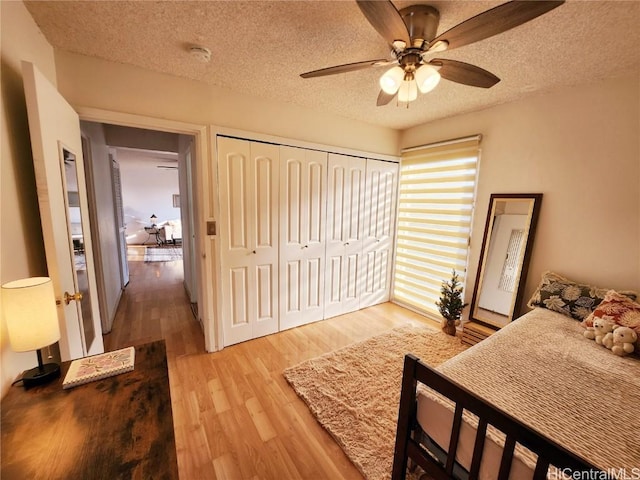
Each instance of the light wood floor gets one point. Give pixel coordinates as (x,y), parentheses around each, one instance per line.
(235,416)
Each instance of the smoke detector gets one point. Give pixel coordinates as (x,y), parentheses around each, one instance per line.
(201,54)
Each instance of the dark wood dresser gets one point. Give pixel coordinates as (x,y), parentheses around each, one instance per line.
(120,427)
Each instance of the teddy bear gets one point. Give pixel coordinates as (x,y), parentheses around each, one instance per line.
(601,327)
(624,339)
(590,333)
(607,340)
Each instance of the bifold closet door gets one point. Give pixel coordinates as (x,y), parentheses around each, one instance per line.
(345,209)
(378,232)
(249,176)
(303,194)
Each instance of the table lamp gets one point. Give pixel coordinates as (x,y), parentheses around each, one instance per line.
(29,307)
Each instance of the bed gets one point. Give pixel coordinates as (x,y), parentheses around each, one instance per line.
(537,383)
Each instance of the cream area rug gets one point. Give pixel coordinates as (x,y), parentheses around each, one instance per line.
(354,392)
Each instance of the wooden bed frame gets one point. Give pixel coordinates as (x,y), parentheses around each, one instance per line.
(409,445)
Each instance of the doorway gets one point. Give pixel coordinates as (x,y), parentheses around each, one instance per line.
(141,185)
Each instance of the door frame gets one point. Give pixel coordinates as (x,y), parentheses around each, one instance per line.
(203,206)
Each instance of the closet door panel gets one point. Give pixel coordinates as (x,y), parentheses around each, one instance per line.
(248,238)
(265,197)
(266,314)
(239,297)
(234,165)
(264,239)
(314,253)
(344,233)
(302,245)
(379,225)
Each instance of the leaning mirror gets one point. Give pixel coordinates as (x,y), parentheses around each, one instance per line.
(504,259)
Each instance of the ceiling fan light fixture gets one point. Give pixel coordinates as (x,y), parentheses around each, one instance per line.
(408,91)
(427,78)
(391,80)
(399,45)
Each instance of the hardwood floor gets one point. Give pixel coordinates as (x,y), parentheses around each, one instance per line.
(235,416)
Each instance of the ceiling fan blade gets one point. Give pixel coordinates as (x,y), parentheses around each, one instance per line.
(386,19)
(384,98)
(347,67)
(494,21)
(464,73)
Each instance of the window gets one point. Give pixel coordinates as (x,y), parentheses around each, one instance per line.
(437,193)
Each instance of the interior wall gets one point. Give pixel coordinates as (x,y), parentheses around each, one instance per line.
(579,147)
(140,138)
(105,226)
(21,244)
(92,82)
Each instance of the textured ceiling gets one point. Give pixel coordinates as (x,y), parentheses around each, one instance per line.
(261,47)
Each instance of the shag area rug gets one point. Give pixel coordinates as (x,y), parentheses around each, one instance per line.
(354,392)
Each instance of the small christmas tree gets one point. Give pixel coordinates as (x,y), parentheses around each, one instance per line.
(451,304)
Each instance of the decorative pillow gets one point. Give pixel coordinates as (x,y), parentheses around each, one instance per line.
(618,309)
(569,298)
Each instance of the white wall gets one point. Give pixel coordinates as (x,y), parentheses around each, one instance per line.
(21,244)
(147,190)
(91,82)
(578,146)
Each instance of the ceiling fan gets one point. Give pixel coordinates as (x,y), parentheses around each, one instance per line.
(412,35)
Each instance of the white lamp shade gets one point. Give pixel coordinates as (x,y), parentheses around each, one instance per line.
(427,77)
(391,80)
(408,91)
(29,308)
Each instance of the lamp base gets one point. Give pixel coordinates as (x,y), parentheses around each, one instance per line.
(41,374)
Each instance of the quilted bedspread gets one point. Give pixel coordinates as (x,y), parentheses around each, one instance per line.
(542,370)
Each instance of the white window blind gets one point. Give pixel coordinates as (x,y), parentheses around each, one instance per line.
(437,191)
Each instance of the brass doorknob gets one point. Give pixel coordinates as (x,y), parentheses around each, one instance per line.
(68,297)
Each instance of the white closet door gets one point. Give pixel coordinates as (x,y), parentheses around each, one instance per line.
(345,209)
(379,227)
(249,238)
(302,235)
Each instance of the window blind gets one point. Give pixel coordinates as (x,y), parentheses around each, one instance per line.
(436,197)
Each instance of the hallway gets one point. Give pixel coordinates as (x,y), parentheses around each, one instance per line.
(234,414)
(155,306)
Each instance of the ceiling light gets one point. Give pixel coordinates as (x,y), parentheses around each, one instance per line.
(427,77)
(399,45)
(201,54)
(408,91)
(390,81)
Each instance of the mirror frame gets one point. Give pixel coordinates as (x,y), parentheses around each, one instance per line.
(534,213)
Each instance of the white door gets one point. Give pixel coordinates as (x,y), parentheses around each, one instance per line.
(345,209)
(302,235)
(249,177)
(116,183)
(378,231)
(62,197)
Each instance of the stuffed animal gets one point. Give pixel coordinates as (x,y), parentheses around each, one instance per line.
(602,326)
(607,341)
(590,333)
(623,341)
